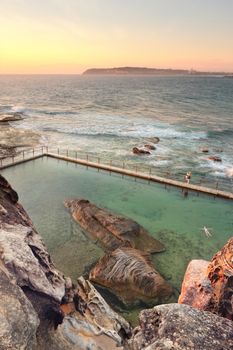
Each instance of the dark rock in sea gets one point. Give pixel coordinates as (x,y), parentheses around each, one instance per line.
(130,274)
(5,118)
(111,230)
(140,151)
(205,150)
(150,147)
(209,286)
(153,139)
(180,327)
(215,158)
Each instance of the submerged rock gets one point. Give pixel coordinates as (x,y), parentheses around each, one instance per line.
(130,275)
(180,327)
(111,230)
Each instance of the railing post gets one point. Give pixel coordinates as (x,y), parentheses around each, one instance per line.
(1,162)
(87,158)
(12,159)
(110,167)
(47,148)
(23,154)
(67,153)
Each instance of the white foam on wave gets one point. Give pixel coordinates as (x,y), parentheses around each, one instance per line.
(18,109)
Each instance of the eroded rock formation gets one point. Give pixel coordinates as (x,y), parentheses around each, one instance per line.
(180,327)
(32,291)
(112,231)
(130,274)
(209,286)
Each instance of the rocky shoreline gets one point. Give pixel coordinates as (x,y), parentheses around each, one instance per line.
(13,139)
(40,308)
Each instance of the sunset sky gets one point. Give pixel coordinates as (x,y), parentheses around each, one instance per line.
(68,36)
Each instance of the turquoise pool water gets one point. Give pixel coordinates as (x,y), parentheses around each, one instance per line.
(175,220)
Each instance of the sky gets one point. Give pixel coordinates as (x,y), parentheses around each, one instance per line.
(69,36)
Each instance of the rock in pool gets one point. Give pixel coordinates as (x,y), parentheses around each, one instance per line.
(10,117)
(130,275)
(111,230)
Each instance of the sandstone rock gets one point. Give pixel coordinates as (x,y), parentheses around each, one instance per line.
(220,274)
(89,323)
(180,327)
(215,158)
(130,275)
(19,321)
(150,147)
(210,287)
(140,151)
(111,230)
(196,288)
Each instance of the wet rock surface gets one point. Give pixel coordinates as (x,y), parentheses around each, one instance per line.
(130,274)
(180,327)
(111,230)
(11,139)
(6,118)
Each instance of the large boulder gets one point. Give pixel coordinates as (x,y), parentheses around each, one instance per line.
(180,327)
(111,230)
(209,286)
(196,287)
(18,319)
(130,275)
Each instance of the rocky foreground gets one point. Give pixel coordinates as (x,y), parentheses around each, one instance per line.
(40,308)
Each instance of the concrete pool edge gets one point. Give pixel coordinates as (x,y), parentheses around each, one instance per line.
(153,178)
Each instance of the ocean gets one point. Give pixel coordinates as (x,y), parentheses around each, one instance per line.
(106,116)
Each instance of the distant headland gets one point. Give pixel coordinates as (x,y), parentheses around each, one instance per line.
(148,71)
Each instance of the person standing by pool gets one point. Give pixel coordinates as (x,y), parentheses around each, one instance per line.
(188,177)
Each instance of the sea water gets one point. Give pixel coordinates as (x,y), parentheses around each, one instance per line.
(108,116)
(169,216)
